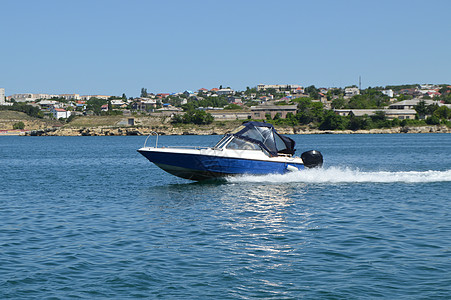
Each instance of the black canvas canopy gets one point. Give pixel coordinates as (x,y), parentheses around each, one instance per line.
(265,135)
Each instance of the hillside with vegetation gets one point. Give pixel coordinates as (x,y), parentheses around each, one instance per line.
(10,119)
(317,109)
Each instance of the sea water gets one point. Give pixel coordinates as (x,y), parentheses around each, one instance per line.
(89,217)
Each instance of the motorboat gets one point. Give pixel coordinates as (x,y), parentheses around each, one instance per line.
(254,148)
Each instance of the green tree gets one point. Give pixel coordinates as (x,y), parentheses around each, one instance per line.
(332,121)
(379,116)
(144,92)
(233,107)
(403,97)
(309,111)
(336,91)
(421,109)
(71,118)
(443,113)
(431,108)
(369,98)
(338,103)
(397,88)
(271,91)
(445,89)
(356,123)
(19,125)
(432,120)
(250,91)
(379,120)
(95,104)
(32,111)
(446,98)
(312,91)
(291,119)
(395,122)
(198,117)
(177,119)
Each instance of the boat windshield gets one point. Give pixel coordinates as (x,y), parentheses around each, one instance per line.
(223,141)
(232,142)
(239,144)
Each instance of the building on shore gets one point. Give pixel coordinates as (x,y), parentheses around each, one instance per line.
(389,113)
(410,104)
(70,96)
(60,113)
(29,97)
(388,93)
(118,103)
(280,87)
(85,97)
(167,110)
(260,112)
(221,115)
(144,104)
(225,92)
(23,97)
(351,91)
(48,104)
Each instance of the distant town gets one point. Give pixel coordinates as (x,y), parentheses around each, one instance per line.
(289,104)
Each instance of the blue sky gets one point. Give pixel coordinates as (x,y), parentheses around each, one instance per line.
(114,47)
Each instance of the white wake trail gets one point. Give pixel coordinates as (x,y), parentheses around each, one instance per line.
(347,175)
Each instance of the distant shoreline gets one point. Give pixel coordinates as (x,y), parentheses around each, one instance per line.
(143,131)
(117,126)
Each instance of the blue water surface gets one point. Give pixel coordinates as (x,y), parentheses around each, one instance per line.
(90,218)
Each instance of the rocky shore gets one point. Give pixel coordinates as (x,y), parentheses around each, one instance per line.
(144,125)
(199,130)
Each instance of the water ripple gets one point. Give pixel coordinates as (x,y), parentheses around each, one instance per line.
(113,226)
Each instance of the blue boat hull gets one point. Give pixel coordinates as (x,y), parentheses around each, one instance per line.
(202,167)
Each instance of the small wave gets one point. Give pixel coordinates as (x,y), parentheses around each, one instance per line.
(347,175)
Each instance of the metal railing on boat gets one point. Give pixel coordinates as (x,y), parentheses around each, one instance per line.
(153,133)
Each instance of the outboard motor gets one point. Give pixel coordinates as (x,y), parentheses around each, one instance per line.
(312,159)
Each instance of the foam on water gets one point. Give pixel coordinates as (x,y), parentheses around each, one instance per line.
(347,175)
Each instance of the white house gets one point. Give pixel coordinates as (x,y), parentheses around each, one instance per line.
(70,96)
(428,86)
(388,93)
(84,97)
(60,113)
(47,104)
(351,91)
(23,97)
(279,87)
(118,103)
(225,92)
